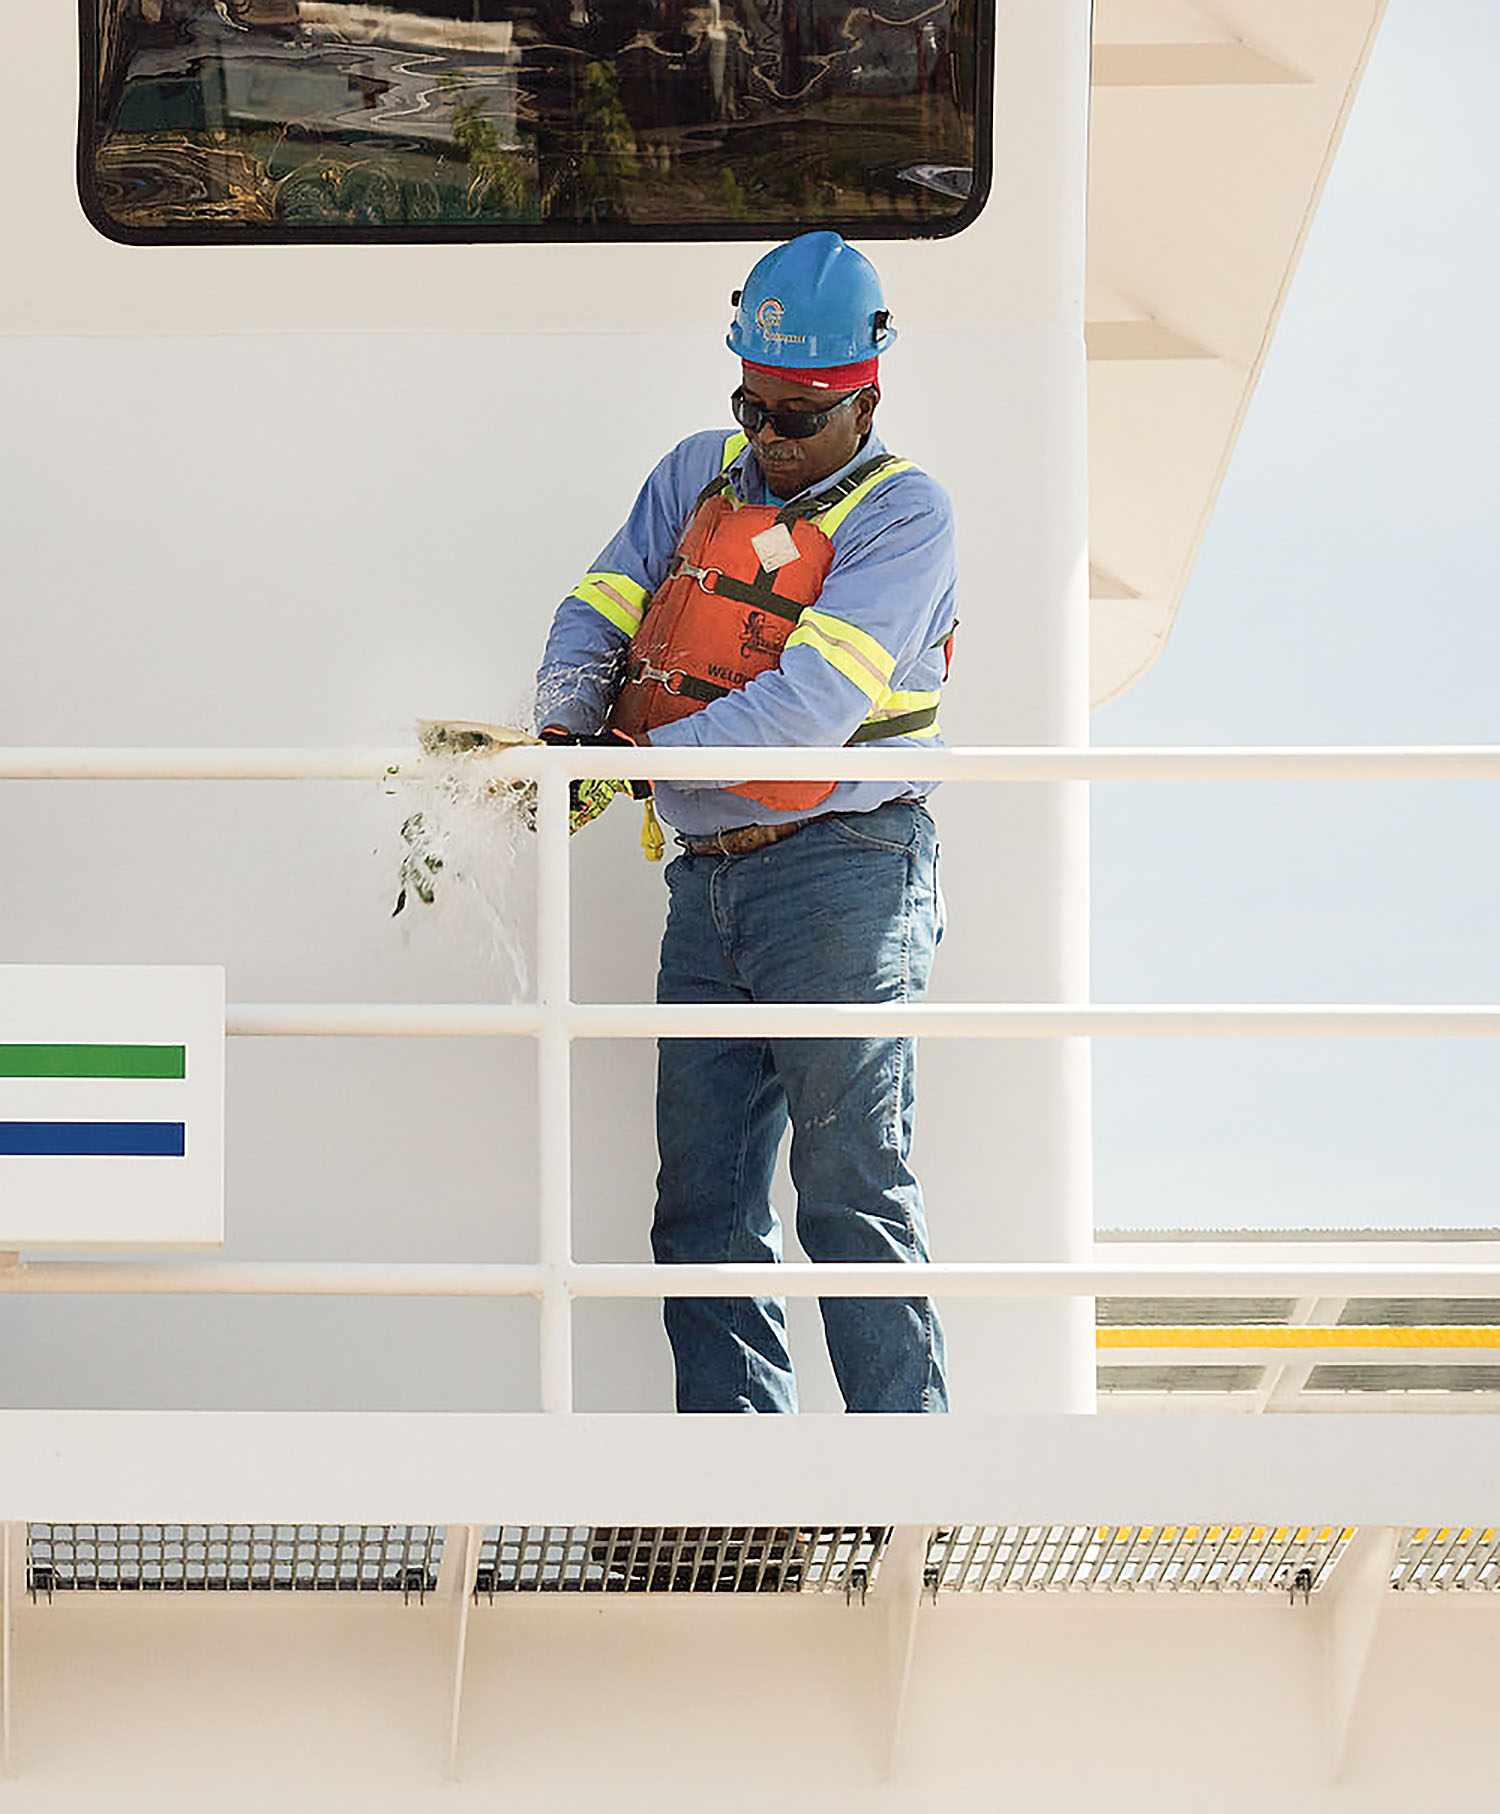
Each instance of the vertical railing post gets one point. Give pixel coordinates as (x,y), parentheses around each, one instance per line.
(554,1088)
(1022,680)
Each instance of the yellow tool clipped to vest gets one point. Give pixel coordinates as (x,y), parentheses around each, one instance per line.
(589,798)
(653,843)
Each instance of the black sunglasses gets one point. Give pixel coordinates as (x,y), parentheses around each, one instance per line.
(790,424)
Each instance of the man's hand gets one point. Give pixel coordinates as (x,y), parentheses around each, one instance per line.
(587,799)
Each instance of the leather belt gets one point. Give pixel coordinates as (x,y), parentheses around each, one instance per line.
(740,840)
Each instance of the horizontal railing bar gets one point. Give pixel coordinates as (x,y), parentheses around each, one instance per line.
(861,1020)
(144,764)
(1032,1020)
(271,1278)
(1030,1279)
(977,1279)
(381,1020)
(1352,762)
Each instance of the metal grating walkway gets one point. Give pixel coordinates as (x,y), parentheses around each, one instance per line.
(1214,1559)
(233,1558)
(1128,1558)
(720,1559)
(1439,1559)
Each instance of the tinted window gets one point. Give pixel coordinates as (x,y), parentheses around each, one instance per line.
(540,118)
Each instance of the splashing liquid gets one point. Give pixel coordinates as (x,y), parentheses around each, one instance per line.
(462,833)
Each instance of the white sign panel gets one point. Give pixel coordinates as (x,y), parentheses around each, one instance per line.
(111,1105)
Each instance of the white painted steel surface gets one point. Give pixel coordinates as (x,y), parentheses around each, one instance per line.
(937,1020)
(554,1090)
(1359,1597)
(1185,103)
(1214,131)
(1312,762)
(345,1704)
(794,1279)
(383,1020)
(12,1578)
(411,1469)
(1029,1020)
(363,589)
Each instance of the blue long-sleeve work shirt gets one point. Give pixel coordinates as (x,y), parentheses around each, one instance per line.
(892,583)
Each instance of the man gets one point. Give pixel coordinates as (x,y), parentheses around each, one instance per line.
(792,584)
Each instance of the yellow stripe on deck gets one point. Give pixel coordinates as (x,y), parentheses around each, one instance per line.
(1280,1335)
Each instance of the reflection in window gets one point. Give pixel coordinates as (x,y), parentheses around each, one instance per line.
(544,118)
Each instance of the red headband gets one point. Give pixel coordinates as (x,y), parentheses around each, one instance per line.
(822,378)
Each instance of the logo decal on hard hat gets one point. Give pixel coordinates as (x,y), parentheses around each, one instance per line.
(768,318)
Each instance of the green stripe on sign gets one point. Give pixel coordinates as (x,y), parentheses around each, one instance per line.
(93,1061)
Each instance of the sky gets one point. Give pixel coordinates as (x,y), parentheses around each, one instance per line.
(1346,592)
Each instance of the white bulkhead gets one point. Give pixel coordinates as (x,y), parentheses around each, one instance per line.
(302,495)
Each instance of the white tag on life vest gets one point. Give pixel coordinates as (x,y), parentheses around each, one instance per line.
(774,547)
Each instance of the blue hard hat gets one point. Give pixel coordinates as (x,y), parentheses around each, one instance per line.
(814,301)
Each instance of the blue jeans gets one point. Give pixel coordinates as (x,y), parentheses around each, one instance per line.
(847,909)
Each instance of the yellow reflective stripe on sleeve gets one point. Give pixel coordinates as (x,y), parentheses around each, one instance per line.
(855,653)
(899,705)
(614,597)
(892,706)
(733,448)
(830,519)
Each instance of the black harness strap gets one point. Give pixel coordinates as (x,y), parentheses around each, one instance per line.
(761,590)
(746,592)
(905,722)
(710,490)
(902,725)
(688,685)
(801,508)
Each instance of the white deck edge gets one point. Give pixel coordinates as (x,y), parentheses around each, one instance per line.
(467,1468)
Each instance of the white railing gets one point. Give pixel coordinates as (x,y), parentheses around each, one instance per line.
(554,1020)
(794,1279)
(1354,762)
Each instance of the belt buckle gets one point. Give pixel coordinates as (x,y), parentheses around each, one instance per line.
(741,840)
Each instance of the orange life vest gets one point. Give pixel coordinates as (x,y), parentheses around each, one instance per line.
(739,580)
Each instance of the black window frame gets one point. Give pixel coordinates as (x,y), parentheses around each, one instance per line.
(548,232)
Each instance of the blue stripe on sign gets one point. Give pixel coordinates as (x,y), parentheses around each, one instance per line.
(104,1139)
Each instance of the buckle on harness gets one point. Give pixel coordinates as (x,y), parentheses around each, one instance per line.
(669,679)
(707,577)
